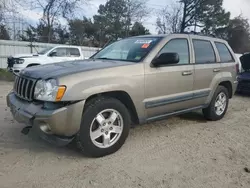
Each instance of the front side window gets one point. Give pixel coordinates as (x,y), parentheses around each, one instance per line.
(59,52)
(130,49)
(204,52)
(225,55)
(179,46)
(73,52)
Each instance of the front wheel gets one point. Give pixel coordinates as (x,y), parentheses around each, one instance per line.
(104,128)
(218,106)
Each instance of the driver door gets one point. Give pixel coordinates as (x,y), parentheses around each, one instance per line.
(169,88)
(58,55)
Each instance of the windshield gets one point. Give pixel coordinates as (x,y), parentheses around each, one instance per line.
(44,51)
(131,49)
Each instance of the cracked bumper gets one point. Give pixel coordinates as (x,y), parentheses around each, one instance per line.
(57,126)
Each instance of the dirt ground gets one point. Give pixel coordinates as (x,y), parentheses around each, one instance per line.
(184,151)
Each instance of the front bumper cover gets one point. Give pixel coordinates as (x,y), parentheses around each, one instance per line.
(61,124)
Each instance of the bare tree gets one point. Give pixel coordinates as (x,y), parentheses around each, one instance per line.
(169,19)
(1,14)
(7,8)
(137,11)
(53,10)
(8,15)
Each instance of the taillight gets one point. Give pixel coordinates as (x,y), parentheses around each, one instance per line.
(237,66)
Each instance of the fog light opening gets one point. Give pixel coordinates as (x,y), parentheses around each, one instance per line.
(45,128)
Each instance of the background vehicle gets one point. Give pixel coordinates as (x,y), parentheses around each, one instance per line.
(49,55)
(244,76)
(138,80)
(239,62)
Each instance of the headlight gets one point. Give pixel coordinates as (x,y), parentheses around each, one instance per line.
(20,61)
(49,90)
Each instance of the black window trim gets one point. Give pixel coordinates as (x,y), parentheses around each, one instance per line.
(66,48)
(209,63)
(177,63)
(58,48)
(232,61)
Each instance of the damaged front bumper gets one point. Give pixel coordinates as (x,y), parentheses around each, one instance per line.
(57,126)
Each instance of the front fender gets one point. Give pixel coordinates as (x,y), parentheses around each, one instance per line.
(28,61)
(85,89)
(130,80)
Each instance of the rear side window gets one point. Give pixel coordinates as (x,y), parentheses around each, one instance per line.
(179,46)
(204,52)
(225,55)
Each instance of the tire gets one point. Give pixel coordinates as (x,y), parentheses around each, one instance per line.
(91,124)
(211,112)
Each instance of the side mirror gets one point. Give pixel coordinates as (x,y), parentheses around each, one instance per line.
(166,59)
(52,54)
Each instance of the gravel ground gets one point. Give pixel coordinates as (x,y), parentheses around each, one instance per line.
(185,151)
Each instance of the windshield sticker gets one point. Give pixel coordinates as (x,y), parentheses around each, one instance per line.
(137,57)
(145,45)
(143,41)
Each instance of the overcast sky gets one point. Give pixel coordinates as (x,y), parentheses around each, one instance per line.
(236,7)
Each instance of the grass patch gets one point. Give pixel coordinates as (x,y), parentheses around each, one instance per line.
(6,76)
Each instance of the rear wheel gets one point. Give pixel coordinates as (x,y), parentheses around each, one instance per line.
(104,128)
(218,106)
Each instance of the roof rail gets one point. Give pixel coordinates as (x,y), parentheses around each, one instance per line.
(196,33)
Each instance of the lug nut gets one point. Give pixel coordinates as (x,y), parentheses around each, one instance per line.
(109,122)
(106,132)
(111,128)
(102,130)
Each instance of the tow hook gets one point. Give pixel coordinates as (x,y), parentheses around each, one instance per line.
(26,130)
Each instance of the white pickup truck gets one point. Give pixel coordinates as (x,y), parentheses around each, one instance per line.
(49,55)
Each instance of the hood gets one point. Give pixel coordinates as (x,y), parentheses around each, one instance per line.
(245,61)
(25,55)
(55,70)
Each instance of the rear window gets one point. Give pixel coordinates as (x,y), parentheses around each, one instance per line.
(204,52)
(225,55)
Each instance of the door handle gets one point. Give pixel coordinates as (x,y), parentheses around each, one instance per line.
(216,70)
(187,73)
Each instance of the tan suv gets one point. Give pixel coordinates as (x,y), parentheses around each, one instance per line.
(132,81)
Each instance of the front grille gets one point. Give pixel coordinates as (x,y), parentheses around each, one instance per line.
(24,88)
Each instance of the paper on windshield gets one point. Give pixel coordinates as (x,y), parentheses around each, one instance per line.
(143,41)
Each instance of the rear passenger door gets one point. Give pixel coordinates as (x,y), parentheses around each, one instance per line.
(206,68)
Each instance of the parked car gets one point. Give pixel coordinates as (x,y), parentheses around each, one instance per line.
(49,55)
(244,76)
(239,62)
(132,81)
